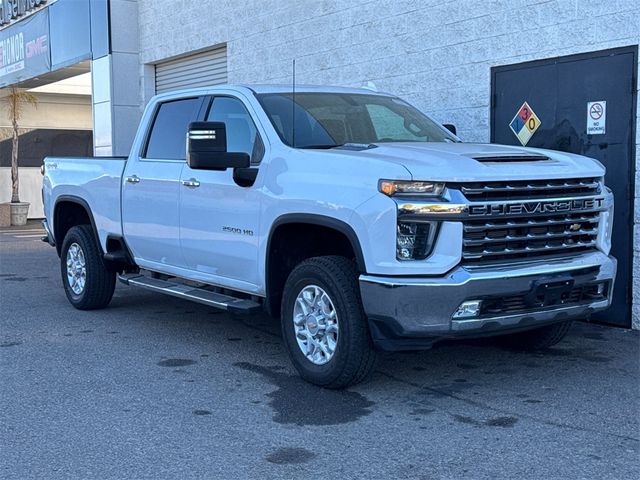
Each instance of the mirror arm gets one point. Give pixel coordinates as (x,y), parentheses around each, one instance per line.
(245,177)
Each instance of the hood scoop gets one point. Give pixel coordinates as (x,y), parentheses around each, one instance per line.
(510,158)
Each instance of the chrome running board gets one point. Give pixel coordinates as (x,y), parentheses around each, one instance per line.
(188,292)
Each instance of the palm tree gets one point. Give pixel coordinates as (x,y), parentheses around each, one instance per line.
(16,100)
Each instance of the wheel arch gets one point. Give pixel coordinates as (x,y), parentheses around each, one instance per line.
(345,241)
(68,212)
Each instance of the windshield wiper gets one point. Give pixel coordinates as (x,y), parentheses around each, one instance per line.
(345,146)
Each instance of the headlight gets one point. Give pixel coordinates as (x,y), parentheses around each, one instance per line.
(414,240)
(404,187)
(606,224)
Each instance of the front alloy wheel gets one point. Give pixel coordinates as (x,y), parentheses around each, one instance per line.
(315,322)
(324,326)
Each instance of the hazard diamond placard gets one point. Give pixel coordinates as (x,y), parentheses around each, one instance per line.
(525,123)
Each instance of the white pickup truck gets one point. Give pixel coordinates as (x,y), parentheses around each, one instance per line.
(356,219)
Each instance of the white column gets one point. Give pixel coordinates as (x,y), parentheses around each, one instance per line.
(116,94)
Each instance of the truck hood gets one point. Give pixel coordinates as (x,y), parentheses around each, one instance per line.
(464,162)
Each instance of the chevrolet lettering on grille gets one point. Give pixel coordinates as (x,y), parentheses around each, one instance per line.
(533,208)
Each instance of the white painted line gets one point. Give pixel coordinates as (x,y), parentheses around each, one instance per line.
(30,236)
(13,232)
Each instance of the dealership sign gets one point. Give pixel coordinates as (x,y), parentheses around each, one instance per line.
(12,10)
(24,49)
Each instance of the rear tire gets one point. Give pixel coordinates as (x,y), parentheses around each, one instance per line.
(539,338)
(341,352)
(88,283)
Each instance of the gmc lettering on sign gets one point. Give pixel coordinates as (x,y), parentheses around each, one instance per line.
(37,46)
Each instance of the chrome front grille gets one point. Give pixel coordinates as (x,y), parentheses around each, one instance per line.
(530,189)
(501,239)
(530,218)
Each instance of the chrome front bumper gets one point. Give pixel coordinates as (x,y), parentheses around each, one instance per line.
(406,312)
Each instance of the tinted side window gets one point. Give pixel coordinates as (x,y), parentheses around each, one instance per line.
(168,136)
(242,135)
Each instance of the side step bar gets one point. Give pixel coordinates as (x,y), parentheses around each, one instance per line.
(199,295)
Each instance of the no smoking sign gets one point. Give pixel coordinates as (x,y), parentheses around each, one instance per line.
(596,117)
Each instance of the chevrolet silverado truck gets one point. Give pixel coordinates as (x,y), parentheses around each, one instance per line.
(357,220)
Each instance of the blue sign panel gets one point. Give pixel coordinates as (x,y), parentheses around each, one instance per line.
(70,25)
(25,49)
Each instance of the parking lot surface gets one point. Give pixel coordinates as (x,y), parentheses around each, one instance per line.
(156,387)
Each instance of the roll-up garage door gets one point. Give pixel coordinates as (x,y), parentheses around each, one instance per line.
(197,70)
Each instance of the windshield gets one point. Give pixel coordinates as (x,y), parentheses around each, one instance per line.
(326,120)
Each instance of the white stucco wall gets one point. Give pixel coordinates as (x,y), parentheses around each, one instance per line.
(30,187)
(438,55)
(63,112)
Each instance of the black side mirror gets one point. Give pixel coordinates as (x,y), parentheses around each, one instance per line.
(451,127)
(207,148)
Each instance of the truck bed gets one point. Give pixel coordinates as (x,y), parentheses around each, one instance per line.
(94,181)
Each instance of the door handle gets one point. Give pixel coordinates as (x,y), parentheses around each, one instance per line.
(133,179)
(191,183)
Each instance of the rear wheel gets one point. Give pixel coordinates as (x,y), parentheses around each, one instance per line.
(87,282)
(323,324)
(539,338)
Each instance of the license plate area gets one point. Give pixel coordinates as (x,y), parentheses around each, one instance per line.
(550,291)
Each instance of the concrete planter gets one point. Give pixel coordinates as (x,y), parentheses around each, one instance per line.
(5,215)
(19,213)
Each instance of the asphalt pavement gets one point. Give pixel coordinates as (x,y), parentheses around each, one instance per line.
(156,387)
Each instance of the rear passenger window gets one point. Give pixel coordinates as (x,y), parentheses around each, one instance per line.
(168,137)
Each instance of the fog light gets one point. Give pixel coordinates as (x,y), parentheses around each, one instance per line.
(414,240)
(468,309)
(601,288)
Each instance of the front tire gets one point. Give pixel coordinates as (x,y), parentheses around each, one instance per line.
(324,326)
(88,283)
(538,338)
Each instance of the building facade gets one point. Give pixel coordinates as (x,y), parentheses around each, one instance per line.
(53,48)
(471,63)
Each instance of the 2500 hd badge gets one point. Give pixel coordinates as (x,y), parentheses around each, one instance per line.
(237,230)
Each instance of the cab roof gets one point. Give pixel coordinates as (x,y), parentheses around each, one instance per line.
(288,88)
(264,89)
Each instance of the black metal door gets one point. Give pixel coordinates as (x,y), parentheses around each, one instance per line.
(559,91)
